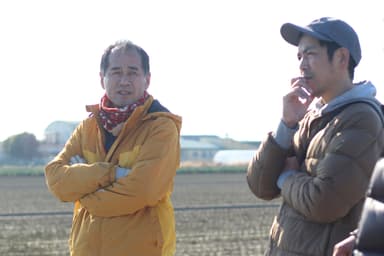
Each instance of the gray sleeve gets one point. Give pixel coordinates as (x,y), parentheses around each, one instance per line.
(284,135)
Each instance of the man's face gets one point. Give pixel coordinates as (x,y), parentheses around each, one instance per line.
(319,72)
(124,81)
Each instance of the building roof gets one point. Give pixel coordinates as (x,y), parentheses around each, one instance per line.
(238,156)
(192,144)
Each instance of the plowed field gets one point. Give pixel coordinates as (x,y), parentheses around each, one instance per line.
(216,214)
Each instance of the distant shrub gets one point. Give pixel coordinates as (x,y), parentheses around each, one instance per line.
(213,169)
(23,146)
(21,170)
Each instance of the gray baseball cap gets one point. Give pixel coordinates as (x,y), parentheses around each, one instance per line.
(326,29)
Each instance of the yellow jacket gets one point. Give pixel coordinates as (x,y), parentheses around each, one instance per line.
(132,215)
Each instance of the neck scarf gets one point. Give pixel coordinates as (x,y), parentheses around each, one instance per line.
(112,117)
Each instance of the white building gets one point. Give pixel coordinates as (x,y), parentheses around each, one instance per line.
(233,157)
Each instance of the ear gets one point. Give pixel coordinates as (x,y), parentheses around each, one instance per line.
(343,57)
(147,80)
(102,80)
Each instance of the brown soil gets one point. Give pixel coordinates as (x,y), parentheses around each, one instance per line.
(216,214)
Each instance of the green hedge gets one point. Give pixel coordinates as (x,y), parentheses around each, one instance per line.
(213,169)
(21,170)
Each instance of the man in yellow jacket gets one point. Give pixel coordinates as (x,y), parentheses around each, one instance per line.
(118,166)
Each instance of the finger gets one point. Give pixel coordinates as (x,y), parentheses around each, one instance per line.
(78,160)
(300,92)
(306,101)
(81,160)
(295,80)
(301,82)
(72,160)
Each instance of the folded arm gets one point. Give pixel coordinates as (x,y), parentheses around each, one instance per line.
(149,181)
(69,181)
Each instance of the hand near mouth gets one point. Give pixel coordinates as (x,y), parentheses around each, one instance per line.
(296,102)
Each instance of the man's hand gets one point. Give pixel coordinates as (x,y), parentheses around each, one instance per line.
(291,167)
(77,160)
(296,102)
(121,172)
(345,247)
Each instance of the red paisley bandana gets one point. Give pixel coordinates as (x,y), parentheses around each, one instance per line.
(113,116)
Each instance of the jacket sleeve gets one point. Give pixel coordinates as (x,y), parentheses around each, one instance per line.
(71,182)
(265,168)
(340,178)
(150,179)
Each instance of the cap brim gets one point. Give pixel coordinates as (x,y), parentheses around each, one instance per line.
(292,33)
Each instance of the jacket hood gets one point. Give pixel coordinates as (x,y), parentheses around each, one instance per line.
(156,109)
(363,91)
(175,118)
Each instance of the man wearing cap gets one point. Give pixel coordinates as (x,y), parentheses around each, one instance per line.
(320,159)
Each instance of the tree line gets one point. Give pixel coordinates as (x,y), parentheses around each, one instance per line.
(22,146)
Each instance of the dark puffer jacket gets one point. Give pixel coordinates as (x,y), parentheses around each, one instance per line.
(322,203)
(370,236)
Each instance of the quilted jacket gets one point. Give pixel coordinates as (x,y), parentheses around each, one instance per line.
(321,204)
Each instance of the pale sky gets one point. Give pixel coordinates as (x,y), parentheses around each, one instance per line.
(221,65)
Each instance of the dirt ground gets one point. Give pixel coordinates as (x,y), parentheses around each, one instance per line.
(216,214)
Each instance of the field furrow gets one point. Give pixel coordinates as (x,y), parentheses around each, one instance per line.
(208,230)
